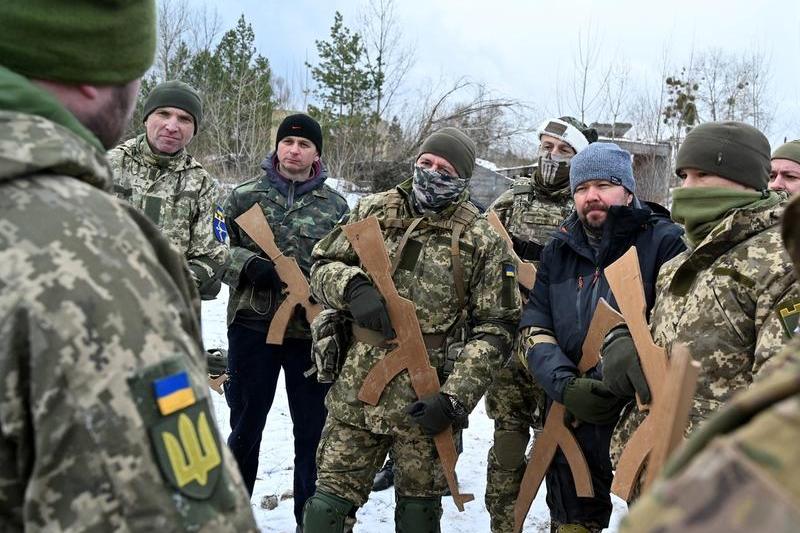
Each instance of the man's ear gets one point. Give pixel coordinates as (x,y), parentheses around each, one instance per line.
(89,92)
(630,198)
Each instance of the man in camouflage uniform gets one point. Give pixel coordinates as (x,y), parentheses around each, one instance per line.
(739,472)
(731,297)
(423,213)
(103,397)
(531,211)
(300,209)
(784,173)
(156,175)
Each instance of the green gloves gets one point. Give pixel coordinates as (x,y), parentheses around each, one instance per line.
(217,361)
(436,413)
(590,400)
(622,372)
(367,307)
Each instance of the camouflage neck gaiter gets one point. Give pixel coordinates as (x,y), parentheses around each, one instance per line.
(433,191)
(552,174)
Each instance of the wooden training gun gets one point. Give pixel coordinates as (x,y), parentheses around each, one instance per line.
(556,434)
(409,353)
(672,383)
(526,272)
(297,291)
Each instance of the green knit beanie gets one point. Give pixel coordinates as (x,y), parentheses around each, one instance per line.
(99,42)
(175,94)
(790,151)
(732,150)
(453,145)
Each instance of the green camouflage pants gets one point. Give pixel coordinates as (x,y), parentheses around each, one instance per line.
(348,457)
(514,402)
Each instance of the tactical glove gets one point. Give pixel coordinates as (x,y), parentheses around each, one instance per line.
(367,307)
(589,400)
(261,273)
(622,372)
(436,413)
(208,285)
(217,360)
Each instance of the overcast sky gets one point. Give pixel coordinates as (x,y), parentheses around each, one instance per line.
(526,49)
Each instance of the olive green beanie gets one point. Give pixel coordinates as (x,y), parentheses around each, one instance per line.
(178,94)
(790,151)
(732,150)
(100,42)
(453,145)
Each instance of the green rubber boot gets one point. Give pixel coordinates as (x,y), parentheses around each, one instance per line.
(417,515)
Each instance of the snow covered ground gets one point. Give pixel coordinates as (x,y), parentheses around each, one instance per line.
(377,516)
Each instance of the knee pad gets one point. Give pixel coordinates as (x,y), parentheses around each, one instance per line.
(572,528)
(417,515)
(509,448)
(326,513)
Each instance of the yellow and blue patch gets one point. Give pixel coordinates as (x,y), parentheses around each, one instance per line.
(509,270)
(173,393)
(220,229)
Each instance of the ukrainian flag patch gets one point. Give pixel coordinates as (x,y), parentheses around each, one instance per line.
(509,270)
(173,393)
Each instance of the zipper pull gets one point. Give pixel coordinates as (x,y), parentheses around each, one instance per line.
(580,282)
(596,275)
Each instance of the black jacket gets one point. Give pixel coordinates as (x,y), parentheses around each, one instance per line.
(570,281)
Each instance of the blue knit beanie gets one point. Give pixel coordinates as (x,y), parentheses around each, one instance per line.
(602,161)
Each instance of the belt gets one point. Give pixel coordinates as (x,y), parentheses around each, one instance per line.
(432,341)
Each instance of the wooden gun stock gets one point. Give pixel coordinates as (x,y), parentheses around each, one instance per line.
(255,224)
(410,352)
(672,383)
(556,435)
(526,272)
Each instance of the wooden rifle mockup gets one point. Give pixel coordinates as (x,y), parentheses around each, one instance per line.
(672,382)
(297,291)
(409,352)
(556,434)
(526,272)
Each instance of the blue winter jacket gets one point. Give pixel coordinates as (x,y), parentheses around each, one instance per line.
(570,281)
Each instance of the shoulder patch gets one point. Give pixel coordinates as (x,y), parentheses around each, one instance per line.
(789,314)
(219,227)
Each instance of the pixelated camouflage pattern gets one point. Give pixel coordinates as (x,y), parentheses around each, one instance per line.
(721,300)
(297,228)
(529,215)
(359,453)
(183,196)
(743,475)
(91,296)
(492,306)
(514,400)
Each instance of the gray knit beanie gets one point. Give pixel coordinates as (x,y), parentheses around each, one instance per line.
(602,161)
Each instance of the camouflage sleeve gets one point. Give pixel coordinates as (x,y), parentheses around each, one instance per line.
(335,263)
(503,206)
(206,252)
(777,311)
(237,255)
(494,308)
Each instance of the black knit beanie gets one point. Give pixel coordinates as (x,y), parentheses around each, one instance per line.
(732,150)
(175,94)
(453,145)
(300,125)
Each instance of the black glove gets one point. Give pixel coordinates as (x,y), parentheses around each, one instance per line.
(527,250)
(217,360)
(367,307)
(207,286)
(622,372)
(589,400)
(436,413)
(261,273)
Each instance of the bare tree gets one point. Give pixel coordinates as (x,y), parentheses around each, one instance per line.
(590,76)
(617,91)
(174,21)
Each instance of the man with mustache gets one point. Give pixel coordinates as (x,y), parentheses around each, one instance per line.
(607,221)
(157,176)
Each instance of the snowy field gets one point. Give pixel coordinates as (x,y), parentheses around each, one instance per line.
(377,516)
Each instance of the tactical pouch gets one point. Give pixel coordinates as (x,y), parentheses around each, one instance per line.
(331,336)
(453,347)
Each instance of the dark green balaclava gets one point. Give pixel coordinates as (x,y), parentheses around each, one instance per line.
(101,42)
(178,94)
(732,150)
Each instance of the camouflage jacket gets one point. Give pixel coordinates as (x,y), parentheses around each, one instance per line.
(181,198)
(530,216)
(104,377)
(424,276)
(739,472)
(725,300)
(297,223)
